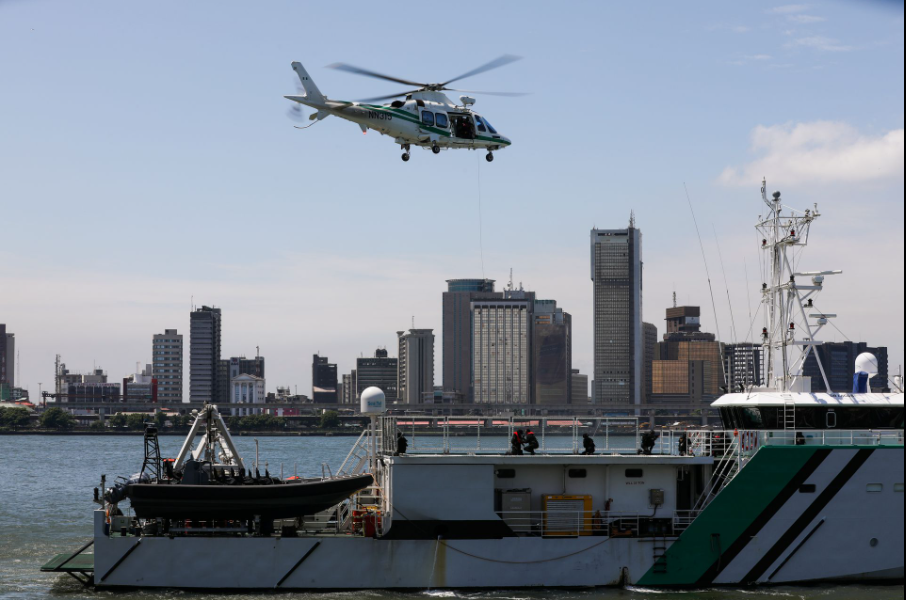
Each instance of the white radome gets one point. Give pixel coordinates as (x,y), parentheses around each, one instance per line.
(374,402)
(867,363)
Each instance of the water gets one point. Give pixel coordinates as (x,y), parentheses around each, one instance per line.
(46,487)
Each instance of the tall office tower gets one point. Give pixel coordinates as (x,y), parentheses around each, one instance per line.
(502,349)
(7,358)
(323,381)
(457,331)
(167,365)
(579,388)
(616,270)
(378,371)
(208,377)
(742,365)
(839,362)
(552,360)
(649,334)
(688,366)
(415,368)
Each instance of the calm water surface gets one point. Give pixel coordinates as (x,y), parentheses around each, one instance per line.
(46,487)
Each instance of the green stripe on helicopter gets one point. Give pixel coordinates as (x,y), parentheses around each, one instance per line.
(414,119)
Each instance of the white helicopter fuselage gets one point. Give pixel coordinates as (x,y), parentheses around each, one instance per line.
(426,118)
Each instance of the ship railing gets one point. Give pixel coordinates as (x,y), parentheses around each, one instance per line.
(830,437)
(560,524)
(490,435)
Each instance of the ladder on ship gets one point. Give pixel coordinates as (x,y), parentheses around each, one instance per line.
(789,413)
(726,469)
(660,555)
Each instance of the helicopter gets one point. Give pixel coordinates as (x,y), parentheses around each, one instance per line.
(423,117)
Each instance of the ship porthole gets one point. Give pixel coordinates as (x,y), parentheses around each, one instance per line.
(874,542)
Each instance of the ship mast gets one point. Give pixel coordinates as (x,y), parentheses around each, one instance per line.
(788,305)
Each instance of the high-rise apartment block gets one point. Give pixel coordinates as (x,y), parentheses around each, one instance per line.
(167,365)
(552,360)
(839,362)
(380,371)
(457,331)
(7,358)
(208,376)
(324,380)
(616,270)
(350,394)
(415,366)
(742,365)
(501,349)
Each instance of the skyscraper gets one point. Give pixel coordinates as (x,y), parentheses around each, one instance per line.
(205,377)
(167,365)
(378,371)
(457,330)
(579,388)
(7,358)
(616,270)
(323,380)
(501,349)
(552,361)
(649,333)
(688,366)
(415,369)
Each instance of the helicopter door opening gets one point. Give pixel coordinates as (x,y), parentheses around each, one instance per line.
(463,127)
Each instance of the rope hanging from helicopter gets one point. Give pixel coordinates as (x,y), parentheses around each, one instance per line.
(480,220)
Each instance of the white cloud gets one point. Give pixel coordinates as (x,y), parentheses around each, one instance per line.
(789,9)
(819,42)
(805,19)
(819,152)
(759,57)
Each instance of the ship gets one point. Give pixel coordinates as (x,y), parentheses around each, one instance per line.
(797,487)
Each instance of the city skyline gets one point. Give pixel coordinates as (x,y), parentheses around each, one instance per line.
(351,254)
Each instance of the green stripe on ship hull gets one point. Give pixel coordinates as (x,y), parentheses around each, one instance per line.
(692,559)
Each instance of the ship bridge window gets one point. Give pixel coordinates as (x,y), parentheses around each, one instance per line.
(428,118)
(441,120)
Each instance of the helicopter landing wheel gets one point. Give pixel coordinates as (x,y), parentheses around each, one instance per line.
(405,157)
(489,157)
(435,149)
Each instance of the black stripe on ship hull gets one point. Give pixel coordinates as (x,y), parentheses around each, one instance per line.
(808,516)
(766,515)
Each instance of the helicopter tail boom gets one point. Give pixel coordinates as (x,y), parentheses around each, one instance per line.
(312,93)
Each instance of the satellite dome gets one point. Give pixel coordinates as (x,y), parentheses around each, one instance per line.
(867,363)
(374,402)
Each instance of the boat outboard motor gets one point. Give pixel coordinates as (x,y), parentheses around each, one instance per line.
(117,493)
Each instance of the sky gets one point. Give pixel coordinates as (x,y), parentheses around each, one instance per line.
(147,163)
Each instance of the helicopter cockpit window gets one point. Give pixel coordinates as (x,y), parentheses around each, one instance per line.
(480,123)
(441,120)
(491,127)
(428,118)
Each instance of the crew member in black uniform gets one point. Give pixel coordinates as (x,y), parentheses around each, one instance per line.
(648,441)
(402,444)
(589,444)
(516,443)
(531,442)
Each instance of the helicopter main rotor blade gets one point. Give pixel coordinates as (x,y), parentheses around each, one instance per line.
(367,73)
(388,97)
(505,94)
(494,64)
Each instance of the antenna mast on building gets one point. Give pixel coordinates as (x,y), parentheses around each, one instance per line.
(632,219)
